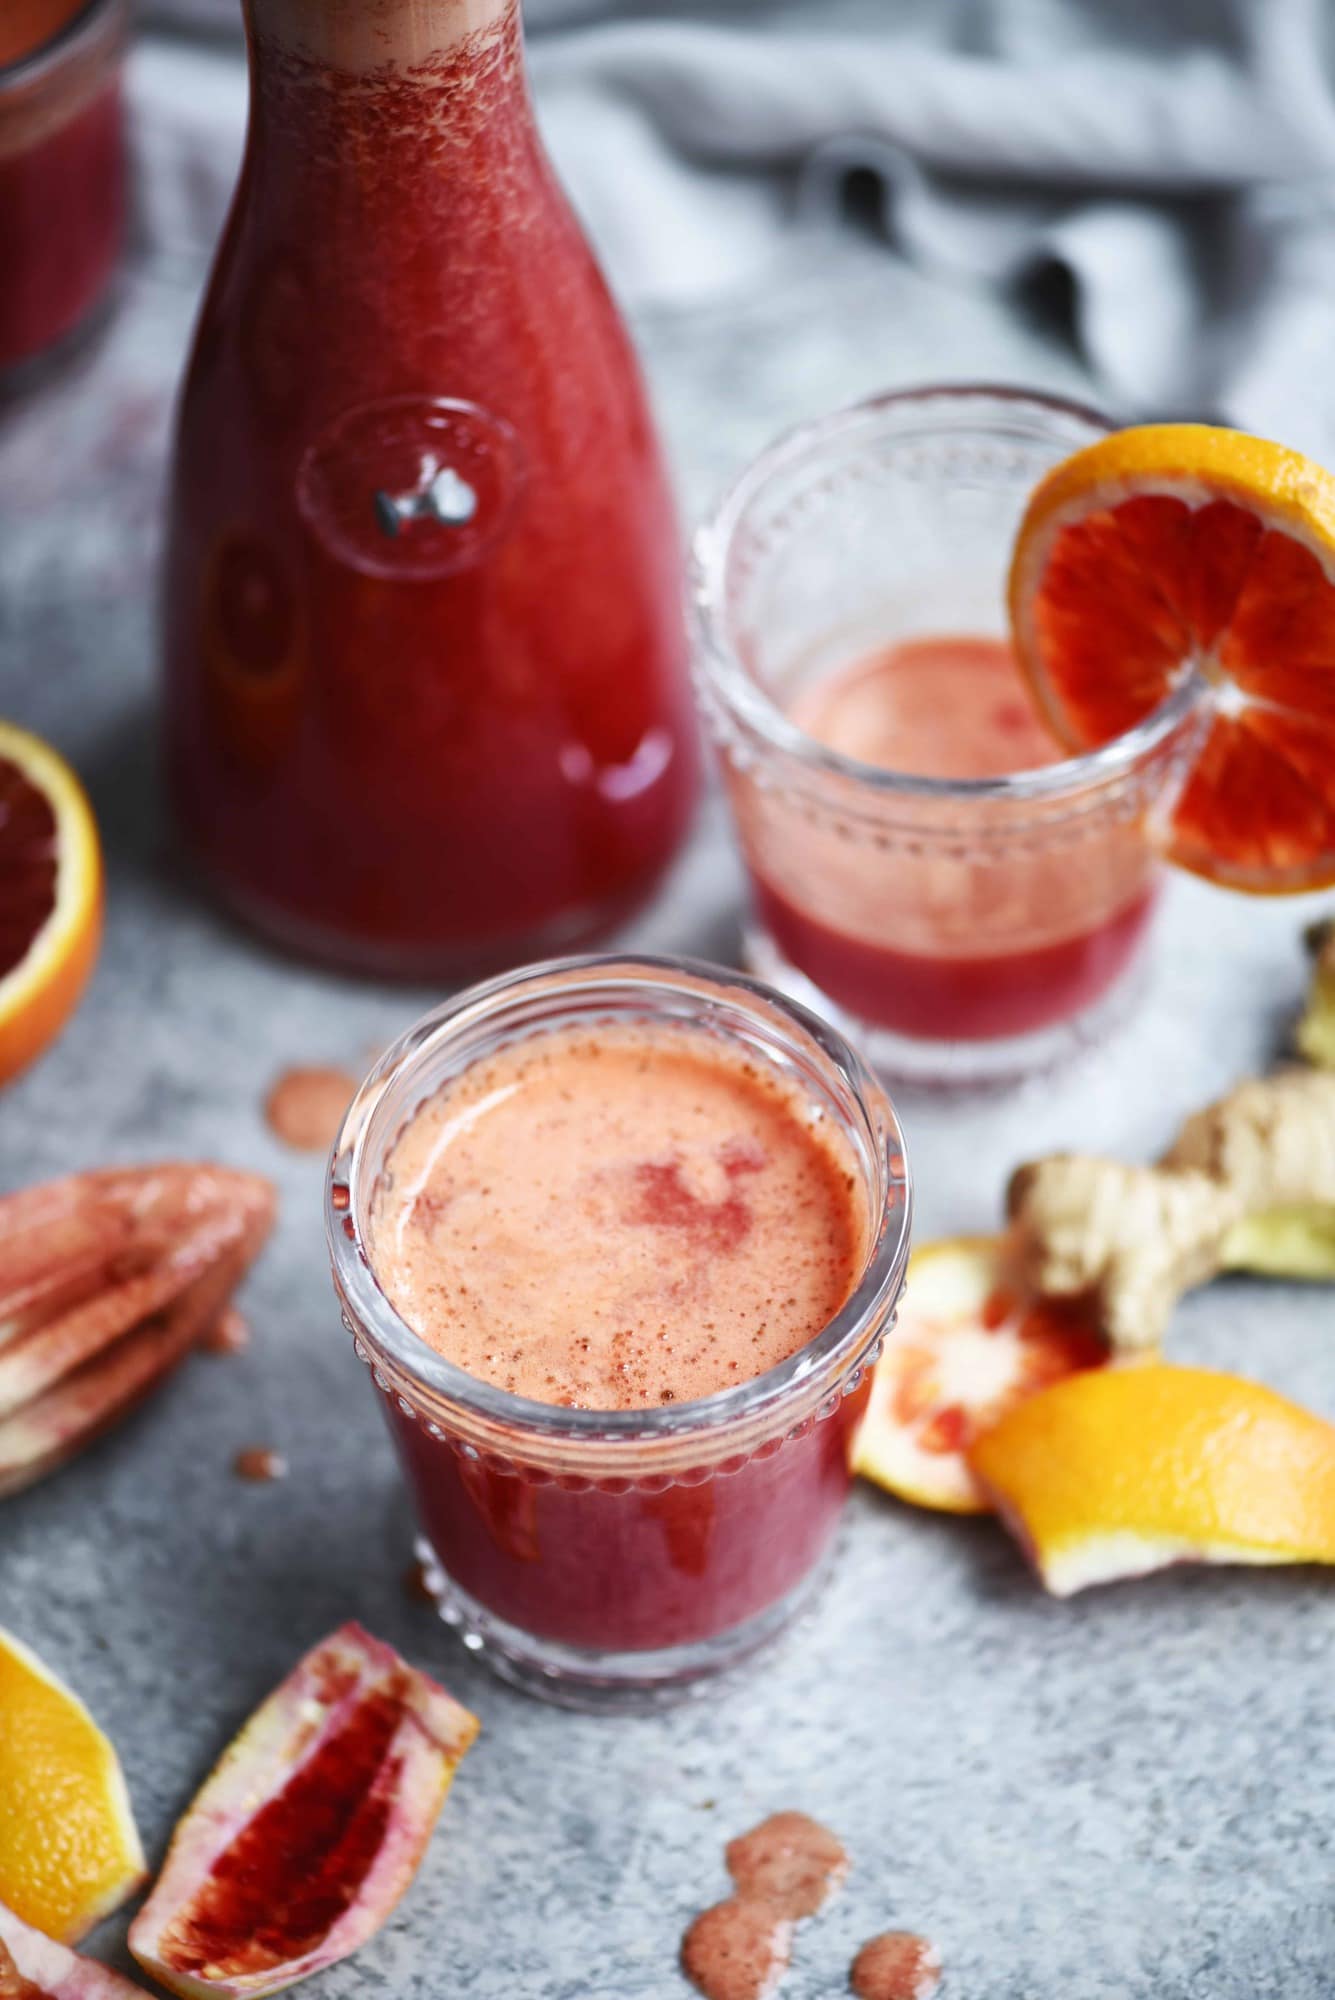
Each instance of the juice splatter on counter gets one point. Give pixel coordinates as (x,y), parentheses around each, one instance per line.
(896,1966)
(737,1950)
(259,1463)
(305,1107)
(788,1861)
(784,1871)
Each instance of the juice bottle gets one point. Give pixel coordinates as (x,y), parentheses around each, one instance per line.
(426,703)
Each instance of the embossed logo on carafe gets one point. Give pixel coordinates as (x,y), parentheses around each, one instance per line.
(411,487)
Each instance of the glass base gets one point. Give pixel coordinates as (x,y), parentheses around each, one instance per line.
(955,1065)
(600,1683)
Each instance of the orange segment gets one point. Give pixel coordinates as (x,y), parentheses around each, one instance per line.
(1175,549)
(69,1852)
(50,896)
(969,1342)
(1126,1470)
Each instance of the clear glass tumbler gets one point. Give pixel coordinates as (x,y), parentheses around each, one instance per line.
(958,929)
(63,173)
(617,1559)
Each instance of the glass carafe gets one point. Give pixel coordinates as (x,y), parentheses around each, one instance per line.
(427,707)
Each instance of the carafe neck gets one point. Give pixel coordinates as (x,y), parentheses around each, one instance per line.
(362,36)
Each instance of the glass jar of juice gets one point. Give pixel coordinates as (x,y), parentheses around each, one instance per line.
(426,703)
(928,867)
(619,1240)
(62,169)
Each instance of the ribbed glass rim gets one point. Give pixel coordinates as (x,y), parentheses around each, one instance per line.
(47,55)
(728,681)
(347,1201)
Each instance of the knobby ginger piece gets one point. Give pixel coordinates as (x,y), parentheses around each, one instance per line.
(1132,1239)
(1272,1140)
(1315,1033)
(1249,1183)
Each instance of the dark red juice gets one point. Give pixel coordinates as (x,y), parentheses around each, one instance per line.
(426,693)
(62,180)
(628,1570)
(958,998)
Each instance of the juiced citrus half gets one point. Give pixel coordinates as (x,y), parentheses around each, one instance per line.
(50,896)
(69,1852)
(1127,1470)
(310,1829)
(970,1342)
(1179,549)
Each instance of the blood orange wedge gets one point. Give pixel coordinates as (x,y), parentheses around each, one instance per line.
(34,1967)
(50,896)
(311,1827)
(69,1852)
(971,1340)
(1178,550)
(1127,1470)
(107,1280)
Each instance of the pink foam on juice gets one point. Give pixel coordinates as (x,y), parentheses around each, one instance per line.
(616,1219)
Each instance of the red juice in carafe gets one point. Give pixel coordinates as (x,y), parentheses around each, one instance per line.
(62,169)
(427,705)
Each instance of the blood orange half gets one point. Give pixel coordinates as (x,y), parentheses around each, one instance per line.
(50,896)
(970,1342)
(1179,550)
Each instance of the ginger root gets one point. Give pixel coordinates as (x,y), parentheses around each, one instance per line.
(1314,1036)
(1249,1183)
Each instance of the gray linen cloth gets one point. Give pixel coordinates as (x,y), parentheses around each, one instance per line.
(1174,160)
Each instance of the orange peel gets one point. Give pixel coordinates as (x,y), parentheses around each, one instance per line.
(69,1849)
(1123,1471)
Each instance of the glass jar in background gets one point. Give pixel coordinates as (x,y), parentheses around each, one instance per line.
(614,1559)
(63,170)
(960,928)
(428,707)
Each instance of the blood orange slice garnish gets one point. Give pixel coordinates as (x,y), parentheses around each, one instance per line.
(970,1342)
(50,896)
(1176,550)
(311,1827)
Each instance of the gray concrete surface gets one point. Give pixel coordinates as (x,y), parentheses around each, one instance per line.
(1121,1797)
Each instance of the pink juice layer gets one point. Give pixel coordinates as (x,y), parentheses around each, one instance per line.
(938,708)
(620,1219)
(968,946)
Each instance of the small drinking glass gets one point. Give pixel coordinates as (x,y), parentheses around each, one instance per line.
(962,929)
(63,172)
(616,1559)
